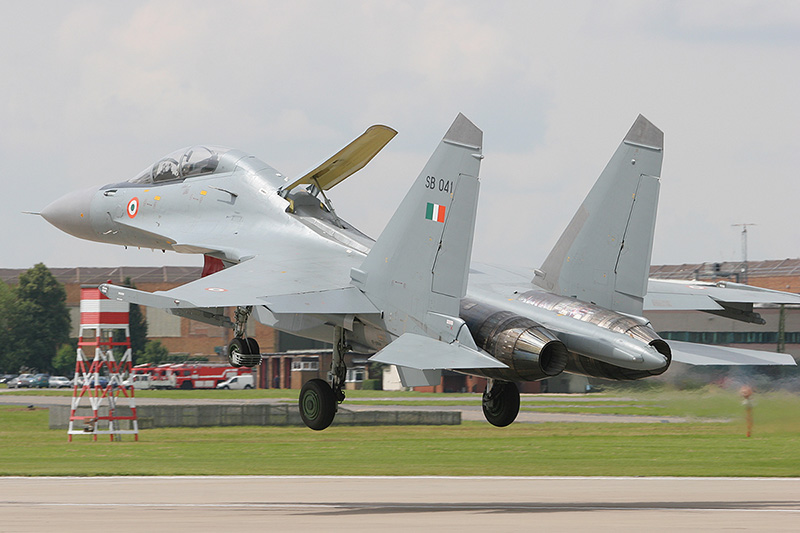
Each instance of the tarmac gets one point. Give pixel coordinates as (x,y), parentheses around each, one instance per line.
(265,503)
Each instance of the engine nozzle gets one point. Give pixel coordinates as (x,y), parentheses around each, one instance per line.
(530,351)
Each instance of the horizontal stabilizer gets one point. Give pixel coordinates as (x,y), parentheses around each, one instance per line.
(411,377)
(348,160)
(729,300)
(672,294)
(704,354)
(424,353)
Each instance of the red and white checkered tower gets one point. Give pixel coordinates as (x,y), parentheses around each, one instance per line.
(100,319)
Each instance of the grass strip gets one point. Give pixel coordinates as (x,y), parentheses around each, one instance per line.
(692,449)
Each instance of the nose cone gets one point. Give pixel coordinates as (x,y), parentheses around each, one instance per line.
(70,214)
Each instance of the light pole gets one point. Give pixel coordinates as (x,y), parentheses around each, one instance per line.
(744,249)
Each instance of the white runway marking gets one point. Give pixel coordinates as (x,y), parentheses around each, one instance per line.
(395,507)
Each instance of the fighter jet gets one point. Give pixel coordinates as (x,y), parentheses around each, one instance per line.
(275,250)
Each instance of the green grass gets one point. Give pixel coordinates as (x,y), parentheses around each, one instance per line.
(692,449)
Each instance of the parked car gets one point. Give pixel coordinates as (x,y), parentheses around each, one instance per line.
(101,380)
(59,382)
(39,381)
(7,377)
(245,381)
(20,382)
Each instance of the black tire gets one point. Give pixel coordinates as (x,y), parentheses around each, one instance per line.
(187,385)
(502,408)
(226,388)
(252,346)
(236,349)
(248,387)
(317,404)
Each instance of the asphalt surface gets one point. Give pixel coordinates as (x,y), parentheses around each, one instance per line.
(398,504)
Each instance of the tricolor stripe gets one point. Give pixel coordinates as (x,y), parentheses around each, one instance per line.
(435,212)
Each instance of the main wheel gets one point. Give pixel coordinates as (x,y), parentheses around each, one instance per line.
(317,404)
(501,404)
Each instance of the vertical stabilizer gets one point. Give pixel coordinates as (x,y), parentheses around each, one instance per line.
(420,263)
(603,256)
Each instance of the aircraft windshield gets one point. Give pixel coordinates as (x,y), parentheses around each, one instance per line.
(182,164)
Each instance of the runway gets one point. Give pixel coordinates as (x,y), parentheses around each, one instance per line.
(298,503)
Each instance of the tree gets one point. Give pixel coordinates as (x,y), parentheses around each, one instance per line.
(6,309)
(39,321)
(154,353)
(64,362)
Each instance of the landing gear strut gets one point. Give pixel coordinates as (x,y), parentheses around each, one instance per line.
(501,403)
(320,400)
(243,351)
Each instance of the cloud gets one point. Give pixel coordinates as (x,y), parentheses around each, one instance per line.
(95,91)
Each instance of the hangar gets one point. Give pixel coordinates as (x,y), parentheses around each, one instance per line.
(290,360)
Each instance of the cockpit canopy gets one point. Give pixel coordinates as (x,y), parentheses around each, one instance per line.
(181,164)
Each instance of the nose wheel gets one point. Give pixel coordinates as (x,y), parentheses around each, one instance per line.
(244,351)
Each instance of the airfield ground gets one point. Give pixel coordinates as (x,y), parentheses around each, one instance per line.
(694,434)
(699,434)
(255,503)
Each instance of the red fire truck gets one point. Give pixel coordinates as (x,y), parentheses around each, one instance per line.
(187,376)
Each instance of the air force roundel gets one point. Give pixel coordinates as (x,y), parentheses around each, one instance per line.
(133,207)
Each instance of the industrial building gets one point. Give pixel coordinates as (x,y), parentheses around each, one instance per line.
(290,361)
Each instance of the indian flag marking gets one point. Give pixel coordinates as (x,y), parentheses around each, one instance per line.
(435,212)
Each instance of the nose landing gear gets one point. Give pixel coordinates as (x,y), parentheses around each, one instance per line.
(243,351)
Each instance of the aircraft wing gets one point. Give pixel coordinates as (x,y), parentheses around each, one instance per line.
(301,281)
(420,359)
(731,300)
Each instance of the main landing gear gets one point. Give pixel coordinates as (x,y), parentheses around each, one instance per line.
(501,402)
(243,351)
(319,400)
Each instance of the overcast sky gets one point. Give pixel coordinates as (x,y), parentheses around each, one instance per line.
(93,92)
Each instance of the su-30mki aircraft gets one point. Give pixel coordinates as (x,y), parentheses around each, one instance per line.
(276,250)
